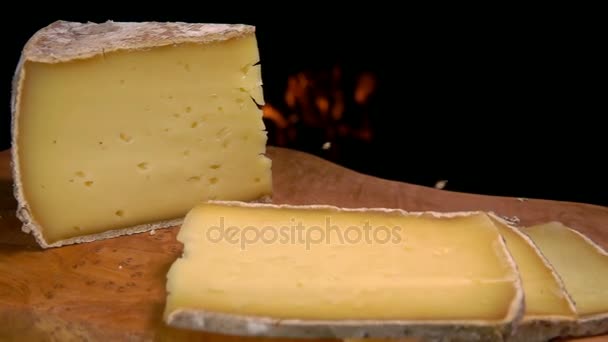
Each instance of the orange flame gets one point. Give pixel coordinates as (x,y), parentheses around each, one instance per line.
(275,116)
(365,87)
(319,100)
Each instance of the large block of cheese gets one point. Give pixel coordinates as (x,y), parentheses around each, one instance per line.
(320,271)
(124,127)
(549,310)
(583,266)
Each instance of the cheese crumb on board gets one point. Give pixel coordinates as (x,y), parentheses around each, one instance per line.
(320,271)
(121,128)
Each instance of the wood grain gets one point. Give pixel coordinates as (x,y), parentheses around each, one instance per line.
(115,289)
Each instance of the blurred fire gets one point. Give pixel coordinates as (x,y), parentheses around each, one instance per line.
(323,103)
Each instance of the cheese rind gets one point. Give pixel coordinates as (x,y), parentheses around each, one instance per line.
(549,310)
(583,266)
(65,41)
(120,128)
(422,285)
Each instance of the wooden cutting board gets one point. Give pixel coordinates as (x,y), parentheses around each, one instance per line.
(115,289)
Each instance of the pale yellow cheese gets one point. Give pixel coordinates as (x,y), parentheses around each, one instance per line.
(545,296)
(558,267)
(548,308)
(324,263)
(581,263)
(134,137)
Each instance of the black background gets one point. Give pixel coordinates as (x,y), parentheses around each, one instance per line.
(503,101)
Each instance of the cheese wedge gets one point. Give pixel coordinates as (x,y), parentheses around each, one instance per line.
(321,271)
(549,310)
(120,128)
(583,266)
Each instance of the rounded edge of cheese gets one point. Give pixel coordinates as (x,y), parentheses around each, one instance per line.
(242,325)
(65,41)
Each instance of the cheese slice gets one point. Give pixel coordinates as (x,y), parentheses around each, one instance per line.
(321,271)
(549,311)
(124,127)
(583,266)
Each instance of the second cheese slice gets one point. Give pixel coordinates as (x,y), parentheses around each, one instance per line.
(320,271)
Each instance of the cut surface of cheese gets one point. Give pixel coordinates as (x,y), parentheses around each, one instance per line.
(124,127)
(321,271)
(583,266)
(549,310)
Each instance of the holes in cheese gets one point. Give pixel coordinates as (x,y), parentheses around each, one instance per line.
(126,102)
(143,166)
(583,266)
(319,271)
(125,137)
